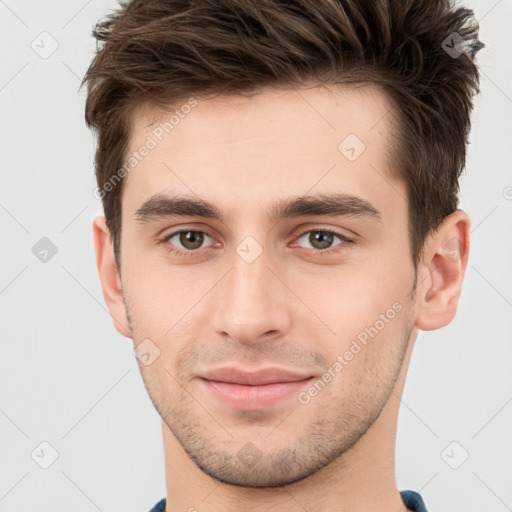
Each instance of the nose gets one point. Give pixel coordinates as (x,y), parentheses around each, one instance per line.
(250,304)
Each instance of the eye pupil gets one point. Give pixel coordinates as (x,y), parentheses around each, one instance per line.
(191,239)
(323,237)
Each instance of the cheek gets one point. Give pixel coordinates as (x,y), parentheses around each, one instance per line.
(351,297)
(160,294)
(365,310)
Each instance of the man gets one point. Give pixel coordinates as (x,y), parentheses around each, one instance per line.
(279,181)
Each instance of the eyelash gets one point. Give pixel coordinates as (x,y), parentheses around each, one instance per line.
(345,241)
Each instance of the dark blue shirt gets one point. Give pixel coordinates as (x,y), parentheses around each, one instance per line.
(412,500)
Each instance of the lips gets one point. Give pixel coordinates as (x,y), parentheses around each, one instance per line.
(257,390)
(257,378)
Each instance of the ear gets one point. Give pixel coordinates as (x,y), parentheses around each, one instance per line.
(441,272)
(109,276)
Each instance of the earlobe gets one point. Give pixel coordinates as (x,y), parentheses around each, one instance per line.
(441,272)
(109,276)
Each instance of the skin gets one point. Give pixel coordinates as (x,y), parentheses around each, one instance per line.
(287,308)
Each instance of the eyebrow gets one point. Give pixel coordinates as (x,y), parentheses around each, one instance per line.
(161,206)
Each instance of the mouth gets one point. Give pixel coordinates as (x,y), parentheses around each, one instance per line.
(253,390)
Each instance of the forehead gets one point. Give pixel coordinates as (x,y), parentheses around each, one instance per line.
(275,143)
(323,111)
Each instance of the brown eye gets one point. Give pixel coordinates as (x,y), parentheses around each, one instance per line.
(322,239)
(187,239)
(191,239)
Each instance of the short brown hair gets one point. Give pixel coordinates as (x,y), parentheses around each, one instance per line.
(420,52)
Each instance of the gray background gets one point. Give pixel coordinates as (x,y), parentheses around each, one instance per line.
(69,379)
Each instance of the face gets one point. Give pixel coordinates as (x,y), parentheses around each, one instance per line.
(274,318)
